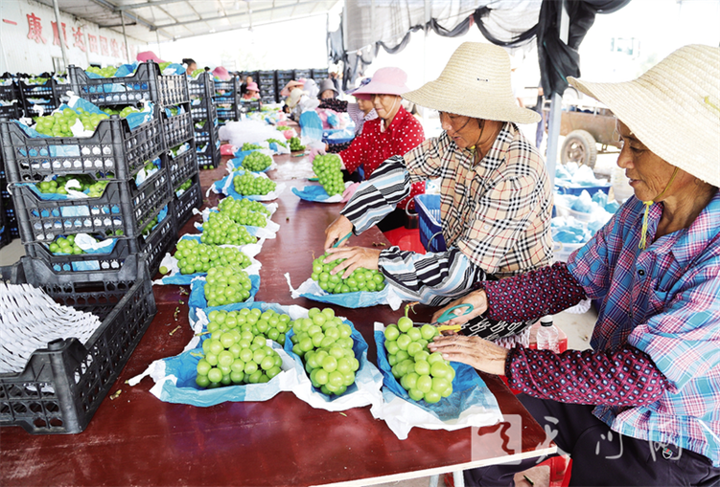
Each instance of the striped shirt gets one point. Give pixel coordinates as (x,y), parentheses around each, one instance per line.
(496,214)
(662,303)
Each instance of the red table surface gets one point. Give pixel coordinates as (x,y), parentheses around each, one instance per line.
(136,439)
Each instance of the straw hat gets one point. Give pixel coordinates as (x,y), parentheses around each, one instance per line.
(674,109)
(475,83)
(292,84)
(294,98)
(385,81)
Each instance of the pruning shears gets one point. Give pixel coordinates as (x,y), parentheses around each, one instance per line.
(336,244)
(449,315)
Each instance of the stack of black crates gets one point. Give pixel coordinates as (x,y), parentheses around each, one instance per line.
(205,119)
(10,109)
(271,83)
(227,99)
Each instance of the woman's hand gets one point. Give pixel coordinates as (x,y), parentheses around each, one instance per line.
(473,351)
(337,230)
(356,257)
(478,299)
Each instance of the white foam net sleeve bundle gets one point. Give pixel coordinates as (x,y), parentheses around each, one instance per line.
(30,319)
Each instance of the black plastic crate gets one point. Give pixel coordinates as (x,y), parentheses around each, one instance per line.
(208,155)
(63,385)
(122,207)
(320,74)
(9,91)
(179,128)
(183,166)
(303,73)
(227,88)
(203,111)
(208,132)
(247,106)
(203,85)
(47,93)
(113,148)
(146,84)
(11,112)
(184,204)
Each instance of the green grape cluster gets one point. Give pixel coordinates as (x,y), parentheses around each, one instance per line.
(268,324)
(226,285)
(37,81)
(236,353)
(122,113)
(423,374)
(59,123)
(295,144)
(164,65)
(325,344)
(256,161)
(219,229)
(186,185)
(278,142)
(244,211)
(195,257)
(249,146)
(283,128)
(106,72)
(361,279)
(248,184)
(94,189)
(197,72)
(65,245)
(327,169)
(149,227)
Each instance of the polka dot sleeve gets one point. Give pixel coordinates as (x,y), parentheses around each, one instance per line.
(533,294)
(626,377)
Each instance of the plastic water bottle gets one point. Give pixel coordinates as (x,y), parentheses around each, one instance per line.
(547,335)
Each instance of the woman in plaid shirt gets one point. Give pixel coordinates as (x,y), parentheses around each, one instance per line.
(641,408)
(496,199)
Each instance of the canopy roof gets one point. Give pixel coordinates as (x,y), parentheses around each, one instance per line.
(164,20)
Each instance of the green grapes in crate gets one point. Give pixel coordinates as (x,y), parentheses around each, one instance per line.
(65,245)
(244,211)
(256,161)
(295,144)
(327,168)
(106,72)
(94,189)
(361,279)
(194,257)
(219,229)
(227,285)
(325,345)
(59,123)
(248,184)
(422,374)
(149,227)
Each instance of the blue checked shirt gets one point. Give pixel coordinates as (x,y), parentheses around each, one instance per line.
(665,301)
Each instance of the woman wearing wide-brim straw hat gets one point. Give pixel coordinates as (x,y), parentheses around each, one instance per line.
(496,199)
(641,408)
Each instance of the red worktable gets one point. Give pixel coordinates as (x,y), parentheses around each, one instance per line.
(136,439)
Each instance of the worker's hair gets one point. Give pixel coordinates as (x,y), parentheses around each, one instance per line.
(188,61)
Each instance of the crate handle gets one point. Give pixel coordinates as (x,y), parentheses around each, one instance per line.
(432,238)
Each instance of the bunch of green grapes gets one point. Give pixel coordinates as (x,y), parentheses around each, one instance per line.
(295,144)
(94,189)
(327,168)
(65,245)
(361,279)
(59,123)
(149,227)
(123,112)
(244,211)
(186,185)
(195,257)
(268,324)
(325,345)
(278,142)
(256,161)
(423,374)
(249,146)
(221,230)
(226,285)
(283,128)
(106,72)
(248,184)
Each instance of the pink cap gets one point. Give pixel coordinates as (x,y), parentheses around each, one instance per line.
(385,81)
(252,87)
(221,73)
(148,56)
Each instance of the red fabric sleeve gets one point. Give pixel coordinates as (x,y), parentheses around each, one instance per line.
(626,377)
(533,294)
(352,157)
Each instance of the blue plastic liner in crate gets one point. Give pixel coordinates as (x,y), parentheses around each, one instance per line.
(429,223)
(566,188)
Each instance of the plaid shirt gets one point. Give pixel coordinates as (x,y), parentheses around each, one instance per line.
(665,301)
(497,212)
(520,187)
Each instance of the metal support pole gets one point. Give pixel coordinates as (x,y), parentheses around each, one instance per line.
(157,37)
(127,49)
(60,33)
(556,106)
